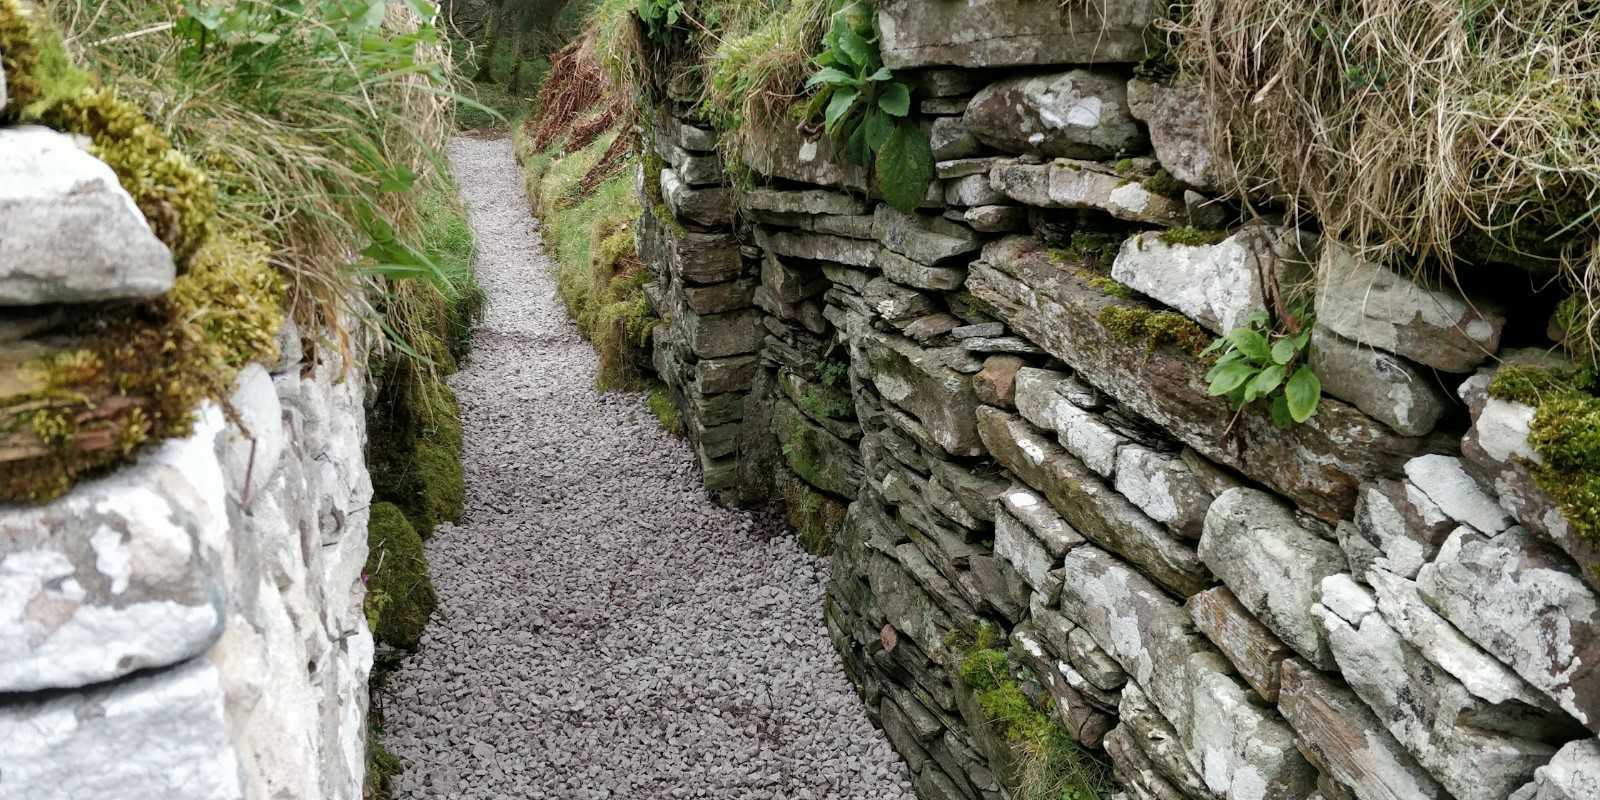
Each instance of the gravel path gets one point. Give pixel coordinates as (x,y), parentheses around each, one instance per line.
(604,630)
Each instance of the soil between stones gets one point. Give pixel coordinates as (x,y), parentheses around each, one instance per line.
(605,631)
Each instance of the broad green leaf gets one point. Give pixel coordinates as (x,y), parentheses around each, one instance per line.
(1227,377)
(855,48)
(838,106)
(1282,351)
(877,127)
(1280,411)
(856,148)
(1301,340)
(905,166)
(832,77)
(896,99)
(1267,380)
(1251,343)
(883,74)
(1303,392)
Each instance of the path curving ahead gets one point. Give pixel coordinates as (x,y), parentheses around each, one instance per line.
(605,631)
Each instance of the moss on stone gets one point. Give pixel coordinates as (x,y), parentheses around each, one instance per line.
(1192,236)
(1094,249)
(382,766)
(1110,287)
(1162,183)
(1565,432)
(400,595)
(815,517)
(660,403)
(1154,328)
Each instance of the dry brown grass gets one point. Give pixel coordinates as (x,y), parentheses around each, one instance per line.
(1431,134)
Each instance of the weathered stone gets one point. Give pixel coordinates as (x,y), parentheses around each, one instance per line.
(1017,546)
(1146,744)
(923,239)
(995,384)
(1242,750)
(940,398)
(1001,344)
(1179,122)
(1217,285)
(69,232)
(1379,383)
(785,151)
(1372,305)
(975,488)
(1521,599)
(1422,706)
(718,335)
(719,297)
(973,190)
(898,729)
(1079,113)
(932,326)
(1442,644)
(1446,482)
(943,106)
(1397,529)
(980,330)
(1137,624)
(1089,506)
(1319,463)
(1164,487)
(44,742)
(1086,723)
(995,33)
(789,282)
(900,269)
(1344,738)
(1574,774)
(897,303)
(703,257)
(1082,434)
(819,247)
(695,169)
(802,201)
(996,218)
(1253,649)
(706,206)
(1085,185)
(121,574)
(1274,566)
(950,139)
(817,456)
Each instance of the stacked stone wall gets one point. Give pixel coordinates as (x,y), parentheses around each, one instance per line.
(188,624)
(1002,399)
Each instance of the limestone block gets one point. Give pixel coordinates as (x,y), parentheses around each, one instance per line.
(1079,716)
(254,449)
(1402,525)
(950,139)
(939,397)
(1274,566)
(996,219)
(1216,285)
(719,335)
(975,488)
(1458,495)
(702,258)
(802,201)
(820,247)
(121,574)
(1573,774)
(1372,305)
(1179,122)
(784,151)
(924,239)
(711,206)
(972,190)
(1349,742)
(1083,434)
(1085,185)
(903,270)
(99,743)
(1521,599)
(1088,505)
(1384,385)
(718,375)
(1252,648)
(69,232)
(1242,750)
(1164,487)
(1079,113)
(995,33)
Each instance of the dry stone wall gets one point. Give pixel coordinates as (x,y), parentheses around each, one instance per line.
(189,625)
(1002,425)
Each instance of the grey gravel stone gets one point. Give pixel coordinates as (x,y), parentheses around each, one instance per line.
(604,629)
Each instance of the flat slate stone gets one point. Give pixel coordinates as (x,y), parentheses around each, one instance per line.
(1079,113)
(1252,647)
(997,33)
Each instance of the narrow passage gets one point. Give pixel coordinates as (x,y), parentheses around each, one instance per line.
(604,631)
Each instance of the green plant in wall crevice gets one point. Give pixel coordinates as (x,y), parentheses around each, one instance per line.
(1258,363)
(868,110)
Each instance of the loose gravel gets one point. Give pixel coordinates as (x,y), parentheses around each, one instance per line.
(604,630)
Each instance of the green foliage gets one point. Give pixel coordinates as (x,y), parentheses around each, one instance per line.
(660,404)
(1565,432)
(400,596)
(1259,363)
(815,517)
(659,16)
(867,110)
(1092,248)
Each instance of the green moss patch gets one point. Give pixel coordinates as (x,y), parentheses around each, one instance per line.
(814,516)
(1154,328)
(1565,432)
(400,596)
(660,404)
(1193,237)
(1049,764)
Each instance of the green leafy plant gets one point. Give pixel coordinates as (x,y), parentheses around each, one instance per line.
(659,16)
(1260,363)
(867,110)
